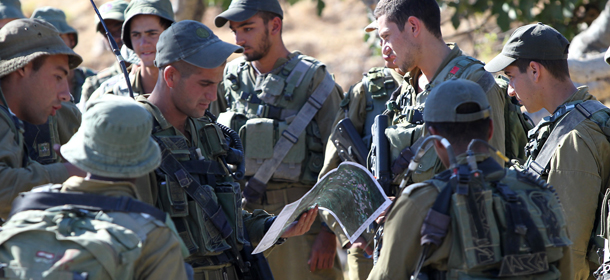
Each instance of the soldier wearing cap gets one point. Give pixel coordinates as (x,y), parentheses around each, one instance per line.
(458,111)
(575,157)
(270,91)
(113,15)
(34,65)
(362,102)
(57,18)
(145,20)
(10,10)
(191,60)
(113,153)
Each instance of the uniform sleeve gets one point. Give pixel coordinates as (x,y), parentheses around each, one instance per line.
(356,112)
(68,121)
(401,240)
(255,224)
(575,170)
(327,114)
(13,177)
(161,257)
(220,104)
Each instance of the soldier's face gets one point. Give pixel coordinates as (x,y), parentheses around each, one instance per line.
(144,34)
(194,93)
(114,27)
(397,47)
(43,89)
(253,35)
(522,87)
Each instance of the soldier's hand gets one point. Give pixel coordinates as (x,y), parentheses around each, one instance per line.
(379,220)
(323,251)
(303,225)
(362,244)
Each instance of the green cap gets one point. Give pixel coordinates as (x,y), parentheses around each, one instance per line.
(192,42)
(107,145)
(57,18)
(445,98)
(112,10)
(160,8)
(241,10)
(533,41)
(10,9)
(23,40)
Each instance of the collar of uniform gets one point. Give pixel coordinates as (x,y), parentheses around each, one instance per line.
(582,94)
(79,184)
(461,159)
(136,84)
(455,52)
(397,77)
(156,113)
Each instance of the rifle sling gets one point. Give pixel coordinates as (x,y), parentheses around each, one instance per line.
(257,185)
(202,196)
(585,110)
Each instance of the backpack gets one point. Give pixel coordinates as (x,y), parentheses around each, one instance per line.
(46,237)
(505,223)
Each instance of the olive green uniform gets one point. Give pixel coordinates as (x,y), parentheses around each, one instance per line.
(579,171)
(94,82)
(403,228)
(160,256)
(357,105)
(17,172)
(78,81)
(405,130)
(117,86)
(288,261)
(210,254)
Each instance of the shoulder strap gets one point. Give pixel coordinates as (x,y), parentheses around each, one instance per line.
(568,123)
(257,185)
(93,202)
(461,64)
(203,196)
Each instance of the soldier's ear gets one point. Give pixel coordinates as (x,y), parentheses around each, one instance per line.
(276,25)
(413,25)
(169,75)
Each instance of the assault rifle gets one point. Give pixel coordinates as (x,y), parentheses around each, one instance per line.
(381,153)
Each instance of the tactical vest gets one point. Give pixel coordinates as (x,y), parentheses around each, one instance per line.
(69,242)
(379,85)
(195,224)
(408,115)
(39,140)
(505,223)
(565,120)
(261,110)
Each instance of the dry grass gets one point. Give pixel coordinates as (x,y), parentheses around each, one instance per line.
(336,38)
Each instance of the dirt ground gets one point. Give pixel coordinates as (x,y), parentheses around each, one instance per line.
(336,38)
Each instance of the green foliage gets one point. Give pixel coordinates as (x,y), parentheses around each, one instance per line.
(557,13)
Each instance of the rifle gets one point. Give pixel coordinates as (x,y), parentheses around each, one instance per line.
(348,141)
(115,50)
(381,153)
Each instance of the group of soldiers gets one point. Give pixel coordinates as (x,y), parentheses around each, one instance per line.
(178,167)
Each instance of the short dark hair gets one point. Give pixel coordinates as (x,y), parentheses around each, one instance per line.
(165,23)
(557,68)
(461,133)
(398,11)
(267,16)
(186,69)
(38,62)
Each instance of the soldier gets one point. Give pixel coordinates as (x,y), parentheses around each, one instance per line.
(113,15)
(569,148)
(286,97)
(411,30)
(112,152)
(57,18)
(426,224)
(195,186)
(34,65)
(364,100)
(145,20)
(10,10)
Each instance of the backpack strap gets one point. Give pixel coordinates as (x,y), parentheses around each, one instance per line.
(202,196)
(93,202)
(585,111)
(257,185)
